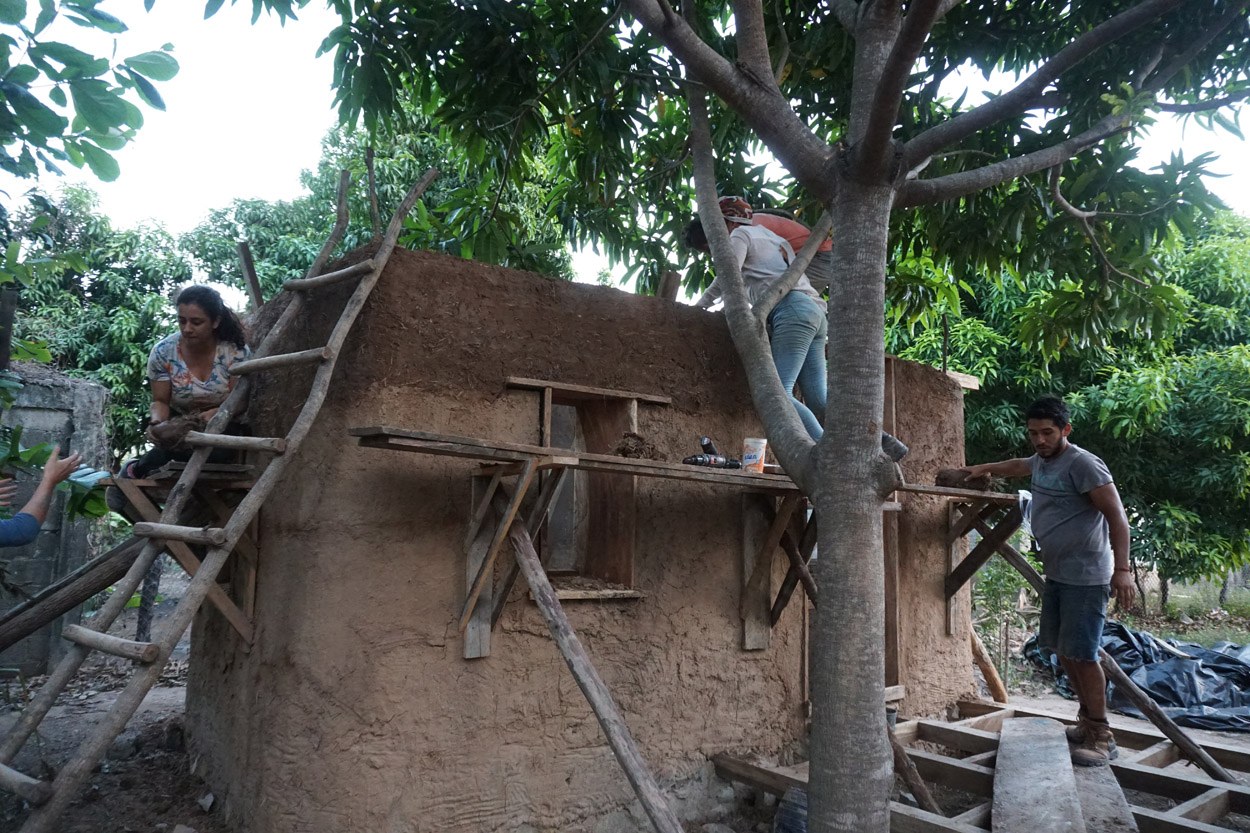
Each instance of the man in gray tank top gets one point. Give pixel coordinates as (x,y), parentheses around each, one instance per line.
(1082,531)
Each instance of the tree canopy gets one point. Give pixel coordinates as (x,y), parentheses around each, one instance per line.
(60,105)
(1168,410)
(862,104)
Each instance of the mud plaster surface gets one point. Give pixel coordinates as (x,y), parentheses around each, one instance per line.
(355,710)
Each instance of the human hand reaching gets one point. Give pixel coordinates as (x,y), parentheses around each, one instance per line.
(57,469)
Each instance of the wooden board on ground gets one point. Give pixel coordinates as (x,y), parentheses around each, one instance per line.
(1034,788)
(1102,801)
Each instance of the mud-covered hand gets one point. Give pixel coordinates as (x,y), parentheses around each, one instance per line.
(1123,589)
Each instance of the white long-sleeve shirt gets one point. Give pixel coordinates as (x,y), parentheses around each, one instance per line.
(762,258)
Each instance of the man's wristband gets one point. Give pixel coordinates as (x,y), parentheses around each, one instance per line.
(1123,570)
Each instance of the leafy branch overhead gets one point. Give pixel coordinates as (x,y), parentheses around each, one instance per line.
(59,104)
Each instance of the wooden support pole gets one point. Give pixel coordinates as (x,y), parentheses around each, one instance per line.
(533,523)
(248,267)
(118,647)
(275,444)
(67,593)
(213,536)
(27,788)
(764,561)
(800,567)
(364,267)
(486,572)
(597,694)
(982,658)
(187,560)
(316,355)
(903,766)
(983,551)
(806,547)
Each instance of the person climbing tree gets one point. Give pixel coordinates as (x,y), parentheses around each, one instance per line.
(797,325)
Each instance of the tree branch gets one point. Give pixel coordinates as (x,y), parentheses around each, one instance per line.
(1209,104)
(847,13)
(785,431)
(760,105)
(1062,200)
(1016,100)
(1231,14)
(928,191)
(752,40)
(779,65)
(875,143)
(782,286)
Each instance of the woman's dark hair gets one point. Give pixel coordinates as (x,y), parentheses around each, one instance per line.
(229,327)
(1052,408)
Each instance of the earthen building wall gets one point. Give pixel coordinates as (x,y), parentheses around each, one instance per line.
(355,710)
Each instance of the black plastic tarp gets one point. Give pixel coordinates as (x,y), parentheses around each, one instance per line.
(1209,690)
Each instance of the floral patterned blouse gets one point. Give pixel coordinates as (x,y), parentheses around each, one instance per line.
(189,394)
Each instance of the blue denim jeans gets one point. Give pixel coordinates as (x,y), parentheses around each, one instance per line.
(799,330)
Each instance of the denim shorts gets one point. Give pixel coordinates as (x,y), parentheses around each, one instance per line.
(1072,617)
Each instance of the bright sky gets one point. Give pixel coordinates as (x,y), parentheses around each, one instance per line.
(250,106)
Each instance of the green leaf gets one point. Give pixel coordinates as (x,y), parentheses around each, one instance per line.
(212,7)
(98,104)
(159,66)
(12,12)
(147,91)
(47,13)
(102,164)
(36,115)
(57,94)
(101,20)
(22,74)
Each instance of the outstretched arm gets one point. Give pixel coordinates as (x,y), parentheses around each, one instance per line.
(1019,467)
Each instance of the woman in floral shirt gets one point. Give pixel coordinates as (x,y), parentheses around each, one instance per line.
(189,370)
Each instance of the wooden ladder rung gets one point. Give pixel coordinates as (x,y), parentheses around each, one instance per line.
(316,355)
(274,444)
(353,271)
(28,789)
(115,645)
(214,536)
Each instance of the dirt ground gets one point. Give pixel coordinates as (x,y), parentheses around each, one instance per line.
(146,782)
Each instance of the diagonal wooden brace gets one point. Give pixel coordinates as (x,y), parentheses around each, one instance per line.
(764,562)
(486,572)
(533,524)
(973,512)
(803,551)
(983,551)
(187,560)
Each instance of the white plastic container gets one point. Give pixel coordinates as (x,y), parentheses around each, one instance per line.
(753,449)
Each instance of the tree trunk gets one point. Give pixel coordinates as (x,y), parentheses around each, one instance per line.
(1224,590)
(1163,595)
(851,765)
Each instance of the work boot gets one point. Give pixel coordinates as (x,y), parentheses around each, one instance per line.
(892,448)
(1098,748)
(1076,732)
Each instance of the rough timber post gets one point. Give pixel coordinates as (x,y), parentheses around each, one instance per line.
(597,694)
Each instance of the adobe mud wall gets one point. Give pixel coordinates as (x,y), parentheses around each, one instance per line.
(59,409)
(355,711)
